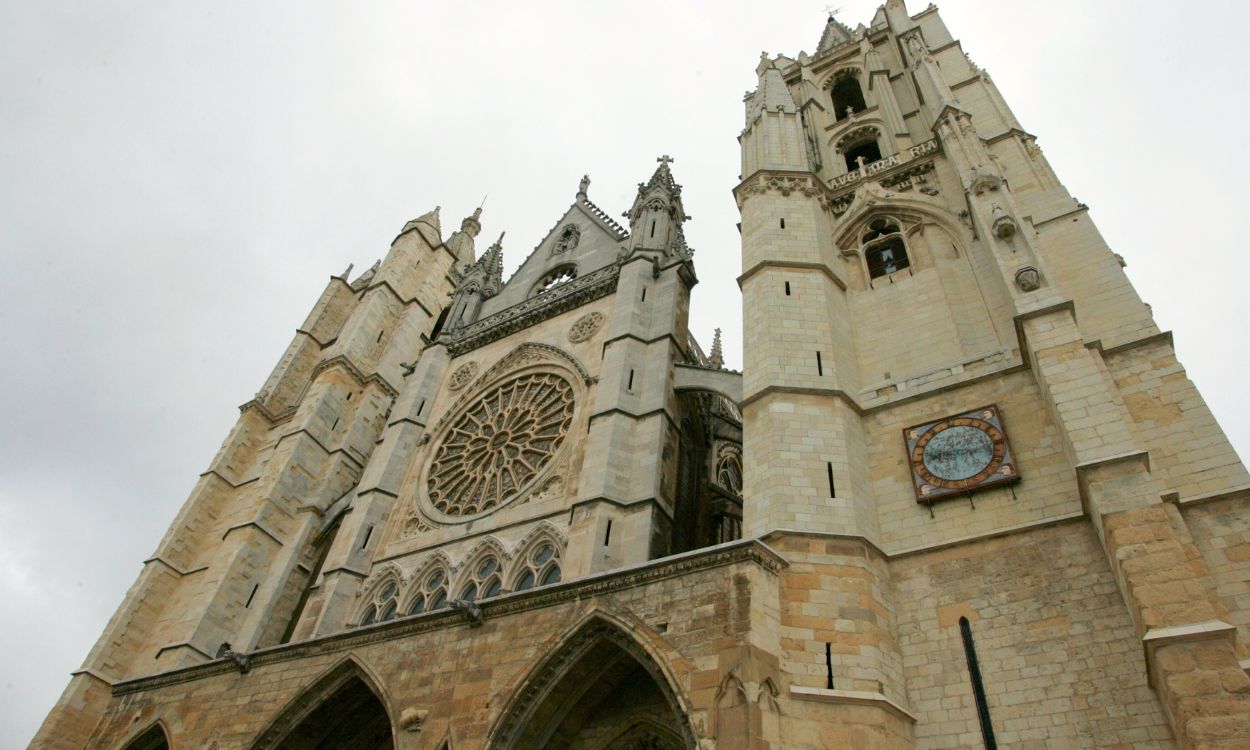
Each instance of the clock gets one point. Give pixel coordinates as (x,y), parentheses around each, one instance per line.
(960,454)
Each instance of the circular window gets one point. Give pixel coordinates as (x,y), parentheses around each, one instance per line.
(499,444)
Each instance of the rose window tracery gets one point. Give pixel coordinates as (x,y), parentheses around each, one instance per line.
(500,443)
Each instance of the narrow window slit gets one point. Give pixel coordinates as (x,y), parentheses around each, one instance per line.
(333,426)
(978,688)
(251,596)
(833,491)
(652,227)
(787,289)
(820,367)
(380,335)
(368,533)
(421,407)
(828,666)
(630,387)
(783,223)
(644,294)
(607,535)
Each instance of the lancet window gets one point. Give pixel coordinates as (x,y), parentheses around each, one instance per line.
(847,96)
(729,471)
(431,593)
(884,249)
(383,605)
(483,580)
(541,567)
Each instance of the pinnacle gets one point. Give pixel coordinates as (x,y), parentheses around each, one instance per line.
(717,357)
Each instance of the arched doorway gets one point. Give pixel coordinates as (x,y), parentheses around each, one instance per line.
(599,691)
(152,739)
(340,712)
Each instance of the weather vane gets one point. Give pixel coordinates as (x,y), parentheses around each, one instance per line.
(832,11)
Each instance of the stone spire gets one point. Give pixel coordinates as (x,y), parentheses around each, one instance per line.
(772,94)
(656,217)
(835,34)
(428,225)
(717,357)
(461,241)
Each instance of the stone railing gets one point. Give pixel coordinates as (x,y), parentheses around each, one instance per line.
(884,165)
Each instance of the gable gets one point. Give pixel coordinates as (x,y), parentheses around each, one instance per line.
(584,239)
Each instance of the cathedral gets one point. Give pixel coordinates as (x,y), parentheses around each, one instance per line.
(962,494)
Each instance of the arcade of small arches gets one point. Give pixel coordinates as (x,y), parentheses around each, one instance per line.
(486,573)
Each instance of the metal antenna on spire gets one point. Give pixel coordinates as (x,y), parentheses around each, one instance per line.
(483,203)
(832,11)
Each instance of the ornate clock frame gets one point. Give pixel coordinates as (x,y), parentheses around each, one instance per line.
(992,464)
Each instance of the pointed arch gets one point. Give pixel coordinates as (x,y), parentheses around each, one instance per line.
(538,559)
(568,687)
(872,200)
(380,598)
(345,703)
(483,570)
(154,737)
(644,732)
(429,585)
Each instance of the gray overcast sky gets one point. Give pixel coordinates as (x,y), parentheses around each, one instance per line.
(180,179)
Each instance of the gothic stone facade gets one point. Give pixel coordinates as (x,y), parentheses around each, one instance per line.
(980,502)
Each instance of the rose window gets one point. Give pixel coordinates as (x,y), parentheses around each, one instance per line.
(496,447)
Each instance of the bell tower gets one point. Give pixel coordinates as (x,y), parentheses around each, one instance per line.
(939,347)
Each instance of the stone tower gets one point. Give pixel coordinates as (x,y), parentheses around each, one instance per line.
(962,493)
(975,437)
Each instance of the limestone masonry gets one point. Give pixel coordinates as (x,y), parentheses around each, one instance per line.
(962,494)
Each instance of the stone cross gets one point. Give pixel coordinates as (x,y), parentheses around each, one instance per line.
(665,160)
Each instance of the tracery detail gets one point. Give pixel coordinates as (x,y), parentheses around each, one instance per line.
(462,375)
(585,327)
(500,443)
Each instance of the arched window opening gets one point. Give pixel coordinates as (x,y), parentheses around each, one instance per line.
(382,605)
(847,97)
(541,567)
(884,249)
(555,278)
(483,581)
(869,151)
(431,594)
(729,472)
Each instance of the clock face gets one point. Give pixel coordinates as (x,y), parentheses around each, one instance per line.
(959,454)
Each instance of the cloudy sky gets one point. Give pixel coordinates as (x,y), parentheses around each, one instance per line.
(180,179)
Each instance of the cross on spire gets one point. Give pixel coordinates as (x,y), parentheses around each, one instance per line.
(665,160)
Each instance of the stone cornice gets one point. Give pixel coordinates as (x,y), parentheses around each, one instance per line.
(520,316)
(803,266)
(747,551)
(852,697)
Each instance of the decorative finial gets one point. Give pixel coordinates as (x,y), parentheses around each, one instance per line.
(583,186)
(717,357)
(499,242)
(665,160)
